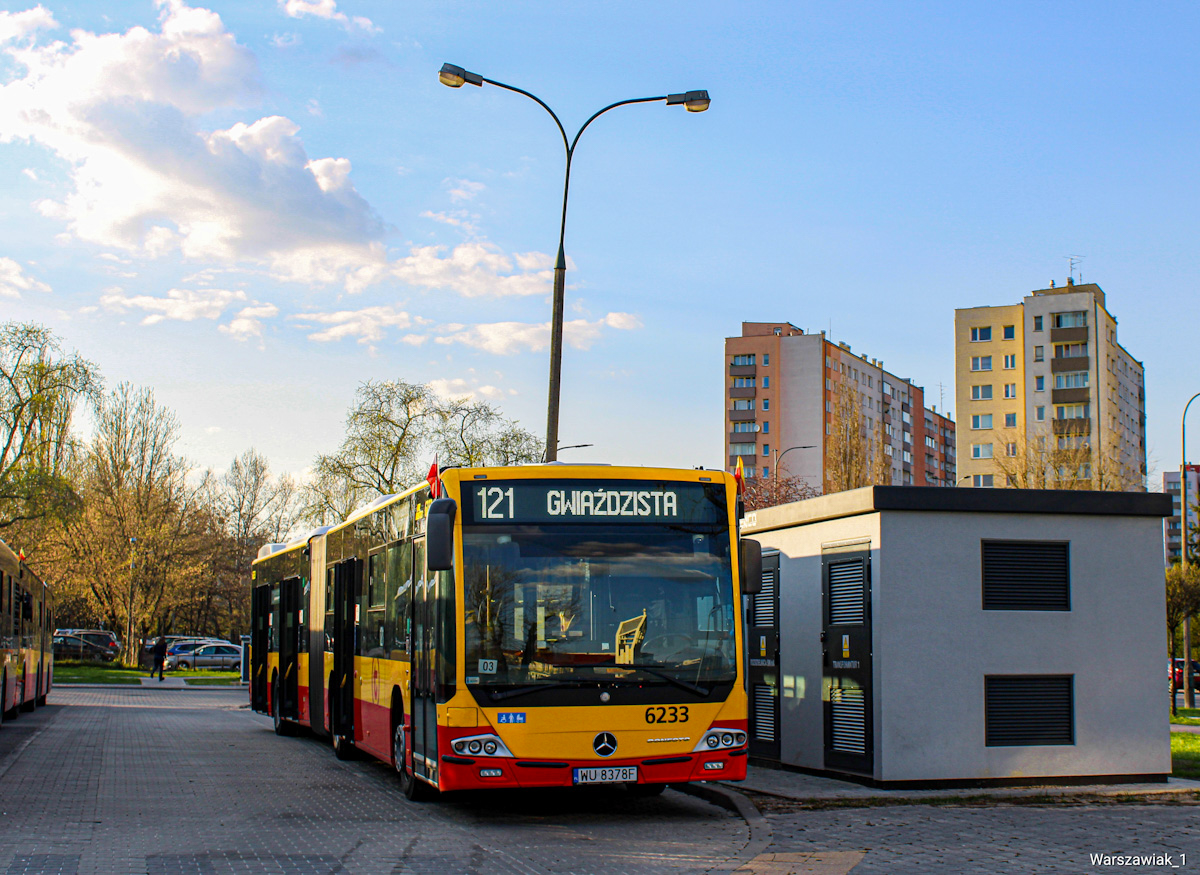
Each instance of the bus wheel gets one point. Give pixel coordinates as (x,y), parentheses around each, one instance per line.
(343,748)
(282,727)
(410,786)
(644,791)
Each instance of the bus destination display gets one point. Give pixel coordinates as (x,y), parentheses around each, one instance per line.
(570,501)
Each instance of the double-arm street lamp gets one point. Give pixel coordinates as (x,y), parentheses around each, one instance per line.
(1189,688)
(692,101)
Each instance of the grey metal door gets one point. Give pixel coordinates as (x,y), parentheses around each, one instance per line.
(846,654)
(763,670)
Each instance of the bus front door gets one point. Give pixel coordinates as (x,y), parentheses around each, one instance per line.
(260,616)
(345,641)
(289,648)
(424,669)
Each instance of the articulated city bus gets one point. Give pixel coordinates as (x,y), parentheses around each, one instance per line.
(536,626)
(26,630)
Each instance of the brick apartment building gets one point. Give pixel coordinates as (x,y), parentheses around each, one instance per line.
(784,389)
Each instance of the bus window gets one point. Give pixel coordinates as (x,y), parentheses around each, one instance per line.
(398,623)
(372,639)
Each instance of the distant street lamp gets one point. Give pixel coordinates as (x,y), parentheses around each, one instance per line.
(1189,688)
(693,101)
(573,447)
(779,455)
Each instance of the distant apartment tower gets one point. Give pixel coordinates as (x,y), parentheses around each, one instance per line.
(1172,531)
(786,390)
(1046,396)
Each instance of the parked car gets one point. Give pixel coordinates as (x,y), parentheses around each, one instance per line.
(189,645)
(208,656)
(99,637)
(1178,672)
(77,647)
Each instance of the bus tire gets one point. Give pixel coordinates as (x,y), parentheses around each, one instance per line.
(412,787)
(645,791)
(282,727)
(343,748)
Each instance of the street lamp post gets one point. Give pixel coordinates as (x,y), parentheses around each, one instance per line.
(779,455)
(693,101)
(1189,688)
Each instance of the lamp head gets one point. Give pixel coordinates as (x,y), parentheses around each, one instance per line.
(455,76)
(693,101)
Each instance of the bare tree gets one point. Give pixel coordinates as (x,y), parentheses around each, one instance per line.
(40,387)
(1046,460)
(771,491)
(855,455)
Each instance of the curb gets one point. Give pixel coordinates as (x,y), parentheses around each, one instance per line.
(726,797)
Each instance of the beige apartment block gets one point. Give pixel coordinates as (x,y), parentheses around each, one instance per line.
(787,392)
(1047,397)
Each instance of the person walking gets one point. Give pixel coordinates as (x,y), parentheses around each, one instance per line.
(160,657)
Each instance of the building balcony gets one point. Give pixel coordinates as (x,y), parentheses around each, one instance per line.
(746,392)
(1074,363)
(1070,396)
(742,370)
(741,415)
(1072,426)
(1069,335)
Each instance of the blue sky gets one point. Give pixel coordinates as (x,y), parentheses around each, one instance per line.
(251,207)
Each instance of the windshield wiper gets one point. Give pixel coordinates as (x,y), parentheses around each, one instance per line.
(657,672)
(500,695)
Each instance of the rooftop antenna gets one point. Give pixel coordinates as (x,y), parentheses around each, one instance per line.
(941,395)
(1074,260)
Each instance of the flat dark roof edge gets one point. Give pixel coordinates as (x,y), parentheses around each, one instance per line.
(871,499)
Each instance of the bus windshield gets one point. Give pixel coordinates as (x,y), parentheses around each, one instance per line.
(598,603)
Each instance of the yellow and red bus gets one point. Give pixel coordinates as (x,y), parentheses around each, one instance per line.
(534,626)
(26,632)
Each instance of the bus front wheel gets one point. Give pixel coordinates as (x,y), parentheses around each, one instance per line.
(410,786)
(282,727)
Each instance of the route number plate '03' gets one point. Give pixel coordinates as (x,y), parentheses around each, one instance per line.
(611,775)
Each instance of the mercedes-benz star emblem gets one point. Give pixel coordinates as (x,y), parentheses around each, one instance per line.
(605,744)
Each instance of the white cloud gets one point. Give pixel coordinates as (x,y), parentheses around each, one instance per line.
(326,9)
(184,305)
(509,338)
(248,322)
(457,219)
(30,173)
(14,280)
(457,387)
(463,189)
(367,324)
(285,40)
(474,270)
(16,26)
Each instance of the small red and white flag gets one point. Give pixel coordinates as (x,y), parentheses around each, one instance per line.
(740,477)
(435,482)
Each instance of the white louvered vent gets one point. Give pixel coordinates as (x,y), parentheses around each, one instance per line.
(849,721)
(764,601)
(846,593)
(764,713)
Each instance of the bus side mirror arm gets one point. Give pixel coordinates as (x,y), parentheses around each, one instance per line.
(439,535)
(750,561)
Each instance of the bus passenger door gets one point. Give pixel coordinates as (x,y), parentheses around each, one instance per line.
(424,686)
(289,648)
(345,640)
(260,613)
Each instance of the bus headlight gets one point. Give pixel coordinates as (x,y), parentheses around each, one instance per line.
(488,745)
(720,739)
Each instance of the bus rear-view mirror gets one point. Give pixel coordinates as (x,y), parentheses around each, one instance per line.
(439,535)
(750,560)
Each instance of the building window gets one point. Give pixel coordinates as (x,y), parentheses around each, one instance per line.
(766,382)
(1010,362)
(749,472)
(981,451)
(766,449)
(1037,323)
(1010,420)
(1010,449)
(907,456)
(981,334)
(1010,332)
(981,393)
(981,420)
(766,361)
(980,363)
(742,449)
(743,382)
(766,427)
(766,404)
(1039,384)
(1076,319)
(829,385)
(1039,413)
(766,470)
(1071,380)
(742,360)
(745,427)
(1039,353)
(1071,411)
(1070,350)
(1010,390)
(982,481)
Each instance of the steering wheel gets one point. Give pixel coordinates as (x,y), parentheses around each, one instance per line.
(667,645)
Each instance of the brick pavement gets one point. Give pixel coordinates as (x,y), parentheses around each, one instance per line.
(149,780)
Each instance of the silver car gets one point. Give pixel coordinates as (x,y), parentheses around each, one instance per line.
(208,656)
